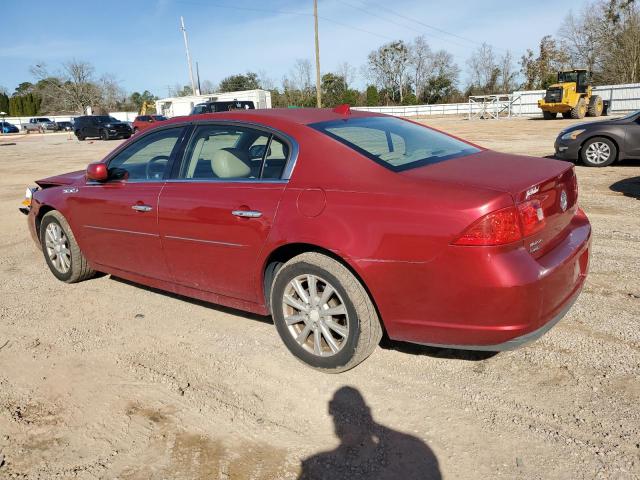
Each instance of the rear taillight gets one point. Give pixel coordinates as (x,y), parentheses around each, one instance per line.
(504,226)
(495,228)
(531,216)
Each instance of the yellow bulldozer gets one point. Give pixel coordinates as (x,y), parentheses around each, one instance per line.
(572,96)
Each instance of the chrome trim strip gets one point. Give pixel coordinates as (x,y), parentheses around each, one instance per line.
(224,180)
(188,239)
(121,231)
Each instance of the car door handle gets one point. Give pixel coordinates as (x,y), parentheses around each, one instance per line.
(141,208)
(247,213)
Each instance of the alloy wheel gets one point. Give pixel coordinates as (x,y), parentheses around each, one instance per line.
(57,246)
(315,315)
(598,152)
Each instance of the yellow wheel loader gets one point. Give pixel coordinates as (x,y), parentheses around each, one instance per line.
(572,97)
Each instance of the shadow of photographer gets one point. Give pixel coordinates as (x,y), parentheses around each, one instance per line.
(367,449)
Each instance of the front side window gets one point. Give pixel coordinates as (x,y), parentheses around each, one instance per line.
(394,143)
(147,159)
(228,152)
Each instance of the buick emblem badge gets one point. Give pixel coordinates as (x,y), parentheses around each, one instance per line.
(563,201)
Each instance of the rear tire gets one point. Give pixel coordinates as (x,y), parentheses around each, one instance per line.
(548,115)
(598,152)
(79,136)
(330,343)
(580,110)
(61,251)
(595,106)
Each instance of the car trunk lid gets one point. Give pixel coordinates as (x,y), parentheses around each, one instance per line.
(543,187)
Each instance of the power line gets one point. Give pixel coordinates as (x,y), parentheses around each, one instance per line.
(446,32)
(368,12)
(284,12)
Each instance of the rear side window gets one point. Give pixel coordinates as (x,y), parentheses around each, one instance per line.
(394,143)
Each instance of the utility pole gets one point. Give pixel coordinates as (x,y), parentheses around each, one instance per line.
(318,92)
(186,47)
(198,76)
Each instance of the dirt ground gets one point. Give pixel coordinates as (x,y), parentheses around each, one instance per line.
(106,379)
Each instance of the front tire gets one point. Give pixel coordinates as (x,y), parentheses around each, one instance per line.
(104,135)
(323,314)
(80,136)
(598,152)
(61,251)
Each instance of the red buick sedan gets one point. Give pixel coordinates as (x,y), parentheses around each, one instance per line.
(340,224)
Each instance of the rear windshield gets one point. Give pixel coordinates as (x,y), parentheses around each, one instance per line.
(394,143)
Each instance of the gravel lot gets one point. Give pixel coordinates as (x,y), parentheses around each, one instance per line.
(106,379)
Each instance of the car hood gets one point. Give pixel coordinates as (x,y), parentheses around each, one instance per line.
(502,172)
(70,178)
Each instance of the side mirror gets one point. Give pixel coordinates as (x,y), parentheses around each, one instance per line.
(97,172)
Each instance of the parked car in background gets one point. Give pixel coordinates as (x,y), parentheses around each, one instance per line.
(142,122)
(598,144)
(64,126)
(39,124)
(213,107)
(6,127)
(101,126)
(338,223)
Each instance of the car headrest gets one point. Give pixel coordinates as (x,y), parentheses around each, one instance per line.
(227,164)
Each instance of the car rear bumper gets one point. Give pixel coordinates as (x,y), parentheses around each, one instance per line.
(481,298)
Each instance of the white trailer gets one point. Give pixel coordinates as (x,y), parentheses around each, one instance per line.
(177,106)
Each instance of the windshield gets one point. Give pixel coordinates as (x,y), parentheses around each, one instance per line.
(567,77)
(630,115)
(394,143)
(159,118)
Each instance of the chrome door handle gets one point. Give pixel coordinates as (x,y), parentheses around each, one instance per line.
(247,213)
(141,208)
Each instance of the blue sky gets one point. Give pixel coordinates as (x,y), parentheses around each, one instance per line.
(139,41)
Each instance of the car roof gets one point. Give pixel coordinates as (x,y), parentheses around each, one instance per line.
(300,116)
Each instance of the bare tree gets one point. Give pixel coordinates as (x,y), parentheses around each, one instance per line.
(508,73)
(113,95)
(347,72)
(582,37)
(207,86)
(73,88)
(484,71)
(389,66)
(265,81)
(422,64)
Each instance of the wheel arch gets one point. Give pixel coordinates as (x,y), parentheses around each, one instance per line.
(286,252)
(611,138)
(42,211)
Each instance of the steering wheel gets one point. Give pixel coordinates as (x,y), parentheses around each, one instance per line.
(154,169)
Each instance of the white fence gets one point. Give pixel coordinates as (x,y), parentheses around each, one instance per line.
(622,98)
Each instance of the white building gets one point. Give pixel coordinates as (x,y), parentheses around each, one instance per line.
(176,106)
